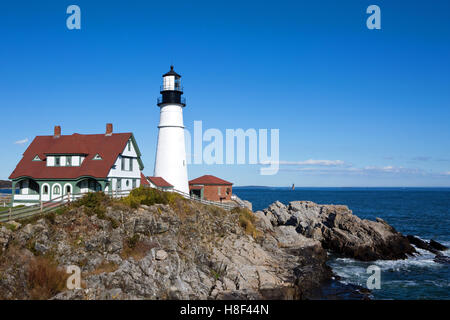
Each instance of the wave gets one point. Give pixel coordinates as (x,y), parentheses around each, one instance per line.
(352,271)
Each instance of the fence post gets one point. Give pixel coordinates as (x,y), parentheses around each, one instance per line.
(9,214)
(68,197)
(42,206)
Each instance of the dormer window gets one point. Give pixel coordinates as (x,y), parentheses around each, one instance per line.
(36,158)
(97,157)
(69,161)
(129,145)
(57,161)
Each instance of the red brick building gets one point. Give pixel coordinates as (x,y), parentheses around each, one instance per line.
(211,188)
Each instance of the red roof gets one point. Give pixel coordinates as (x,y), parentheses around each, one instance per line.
(159,182)
(209,179)
(144,181)
(108,147)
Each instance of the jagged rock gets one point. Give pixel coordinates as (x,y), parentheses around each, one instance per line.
(28,229)
(114,243)
(436,245)
(41,247)
(263,221)
(161,255)
(279,211)
(419,243)
(439,258)
(187,251)
(242,203)
(5,236)
(342,232)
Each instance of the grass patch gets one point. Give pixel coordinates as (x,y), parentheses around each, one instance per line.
(45,279)
(219,272)
(105,267)
(246,221)
(11,226)
(136,248)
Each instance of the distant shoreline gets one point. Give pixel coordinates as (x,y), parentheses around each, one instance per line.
(298,187)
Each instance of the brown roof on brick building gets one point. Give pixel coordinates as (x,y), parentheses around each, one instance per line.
(209,179)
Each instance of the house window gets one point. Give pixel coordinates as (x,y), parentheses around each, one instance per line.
(123,164)
(134,183)
(119,184)
(45,190)
(129,145)
(131,164)
(68,189)
(97,157)
(56,190)
(69,161)
(57,161)
(219,191)
(127,183)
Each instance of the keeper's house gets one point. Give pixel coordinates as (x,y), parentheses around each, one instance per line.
(53,166)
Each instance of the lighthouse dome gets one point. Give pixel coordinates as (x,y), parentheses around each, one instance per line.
(171,73)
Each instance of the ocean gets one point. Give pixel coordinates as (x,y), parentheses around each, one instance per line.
(423,212)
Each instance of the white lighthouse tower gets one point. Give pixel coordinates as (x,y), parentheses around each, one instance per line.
(170,161)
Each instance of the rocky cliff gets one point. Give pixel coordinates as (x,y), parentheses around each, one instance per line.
(172,250)
(154,245)
(338,230)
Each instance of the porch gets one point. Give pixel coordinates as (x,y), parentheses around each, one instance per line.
(28,191)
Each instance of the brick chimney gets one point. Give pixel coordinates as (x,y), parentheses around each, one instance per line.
(57,132)
(109,129)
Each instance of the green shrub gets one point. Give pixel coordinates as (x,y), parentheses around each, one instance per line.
(149,196)
(94,203)
(10,226)
(114,223)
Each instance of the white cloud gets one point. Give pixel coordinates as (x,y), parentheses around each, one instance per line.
(392,169)
(23,141)
(368,170)
(310,162)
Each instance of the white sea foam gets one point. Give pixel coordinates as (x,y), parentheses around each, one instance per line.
(352,271)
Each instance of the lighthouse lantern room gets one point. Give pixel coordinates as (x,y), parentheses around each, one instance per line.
(170,161)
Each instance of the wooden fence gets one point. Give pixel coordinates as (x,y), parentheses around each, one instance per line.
(18,213)
(5,199)
(224,205)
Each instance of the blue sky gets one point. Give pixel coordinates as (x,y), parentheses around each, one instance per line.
(374,103)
